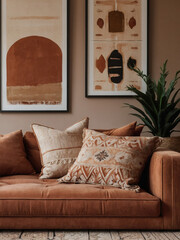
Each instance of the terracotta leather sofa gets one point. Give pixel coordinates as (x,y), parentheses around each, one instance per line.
(26,202)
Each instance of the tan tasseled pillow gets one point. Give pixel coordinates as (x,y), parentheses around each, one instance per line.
(13,159)
(111,160)
(59,149)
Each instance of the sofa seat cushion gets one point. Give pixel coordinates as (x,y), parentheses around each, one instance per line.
(30,196)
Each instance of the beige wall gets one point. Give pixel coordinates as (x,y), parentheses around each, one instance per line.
(164,43)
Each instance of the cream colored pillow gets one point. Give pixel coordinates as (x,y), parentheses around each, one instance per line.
(59,149)
(111,160)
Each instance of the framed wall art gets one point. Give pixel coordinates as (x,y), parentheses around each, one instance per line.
(116,38)
(34,36)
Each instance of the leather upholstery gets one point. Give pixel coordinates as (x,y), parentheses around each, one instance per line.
(80,223)
(33,197)
(164,179)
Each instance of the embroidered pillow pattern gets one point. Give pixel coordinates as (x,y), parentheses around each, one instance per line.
(111,160)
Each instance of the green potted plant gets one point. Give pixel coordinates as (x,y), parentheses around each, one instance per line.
(160,111)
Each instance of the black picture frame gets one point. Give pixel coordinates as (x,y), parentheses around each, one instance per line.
(146,68)
(67,107)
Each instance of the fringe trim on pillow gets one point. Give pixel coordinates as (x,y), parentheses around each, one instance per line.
(127,187)
(128,184)
(124,185)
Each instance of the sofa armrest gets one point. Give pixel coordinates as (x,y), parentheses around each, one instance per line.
(164,182)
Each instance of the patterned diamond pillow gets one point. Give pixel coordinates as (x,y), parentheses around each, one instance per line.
(59,149)
(111,160)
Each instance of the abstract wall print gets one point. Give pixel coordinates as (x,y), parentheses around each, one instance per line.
(34,55)
(116,38)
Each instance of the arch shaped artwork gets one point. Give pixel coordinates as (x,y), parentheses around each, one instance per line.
(34,71)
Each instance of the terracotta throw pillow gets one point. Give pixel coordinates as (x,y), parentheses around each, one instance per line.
(13,159)
(111,160)
(128,130)
(32,150)
(59,149)
(138,130)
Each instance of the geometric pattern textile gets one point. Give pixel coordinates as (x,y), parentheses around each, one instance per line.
(111,160)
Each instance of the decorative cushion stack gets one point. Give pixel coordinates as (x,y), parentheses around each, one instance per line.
(32,148)
(114,157)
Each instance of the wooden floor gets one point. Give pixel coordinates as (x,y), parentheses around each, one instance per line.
(88,235)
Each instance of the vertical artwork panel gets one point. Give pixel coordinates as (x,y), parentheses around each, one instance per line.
(116,39)
(34,55)
(109,65)
(122,19)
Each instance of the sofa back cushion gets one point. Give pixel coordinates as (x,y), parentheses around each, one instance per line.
(32,151)
(128,130)
(13,159)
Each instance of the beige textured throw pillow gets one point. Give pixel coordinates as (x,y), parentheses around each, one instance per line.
(111,160)
(59,149)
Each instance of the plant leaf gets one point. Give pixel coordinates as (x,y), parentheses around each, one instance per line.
(139,111)
(159,113)
(174,97)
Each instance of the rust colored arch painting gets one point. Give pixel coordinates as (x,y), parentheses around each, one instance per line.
(34,55)
(34,72)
